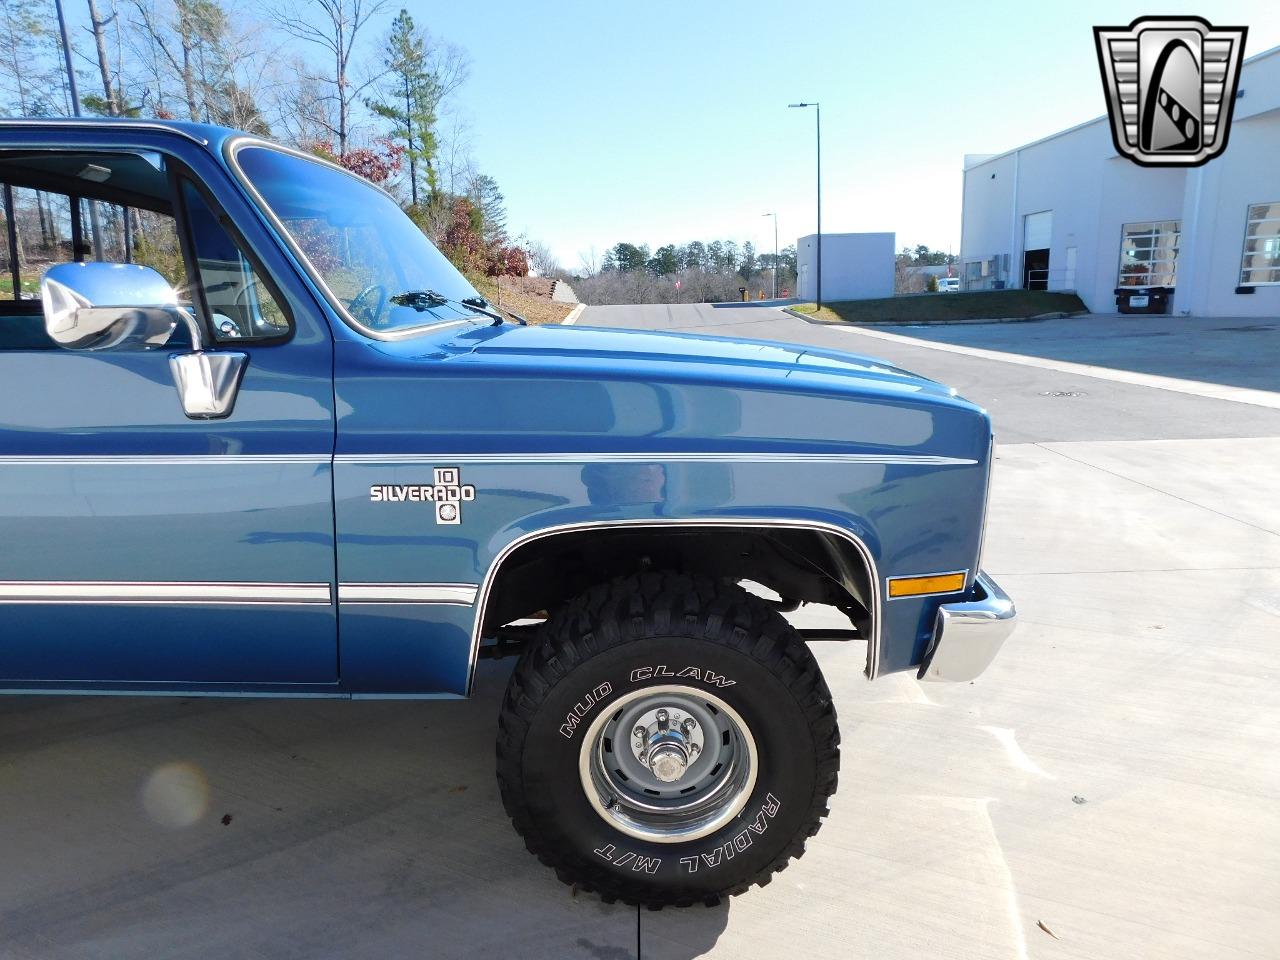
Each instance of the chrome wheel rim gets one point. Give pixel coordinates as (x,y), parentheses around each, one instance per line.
(668,764)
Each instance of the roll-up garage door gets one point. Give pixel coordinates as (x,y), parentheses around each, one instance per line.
(1037,228)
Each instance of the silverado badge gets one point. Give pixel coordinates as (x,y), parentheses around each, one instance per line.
(448,493)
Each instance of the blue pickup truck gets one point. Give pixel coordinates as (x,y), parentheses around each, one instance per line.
(259,438)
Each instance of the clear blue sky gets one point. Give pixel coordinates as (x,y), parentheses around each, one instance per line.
(668,122)
(665,121)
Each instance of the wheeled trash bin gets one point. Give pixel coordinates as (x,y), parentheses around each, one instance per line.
(1143,299)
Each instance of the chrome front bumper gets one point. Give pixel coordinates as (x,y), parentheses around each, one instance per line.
(968,635)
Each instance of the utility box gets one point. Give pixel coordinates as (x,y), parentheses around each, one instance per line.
(855,266)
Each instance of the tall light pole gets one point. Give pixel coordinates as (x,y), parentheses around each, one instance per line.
(775,252)
(818,114)
(94,225)
(66,56)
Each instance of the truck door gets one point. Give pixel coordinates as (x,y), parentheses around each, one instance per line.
(141,548)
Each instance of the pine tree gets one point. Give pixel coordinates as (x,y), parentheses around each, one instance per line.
(488,200)
(410,95)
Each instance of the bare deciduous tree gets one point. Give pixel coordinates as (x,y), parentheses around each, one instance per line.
(98,24)
(22,31)
(542,260)
(456,166)
(335,30)
(301,110)
(589,262)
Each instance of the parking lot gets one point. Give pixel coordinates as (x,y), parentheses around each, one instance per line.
(1108,789)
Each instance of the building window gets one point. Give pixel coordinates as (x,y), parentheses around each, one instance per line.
(1261,262)
(1149,253)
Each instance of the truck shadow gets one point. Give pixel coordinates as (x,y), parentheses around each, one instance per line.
(199,827)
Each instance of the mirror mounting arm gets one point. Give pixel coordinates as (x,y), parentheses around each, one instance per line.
(83,311)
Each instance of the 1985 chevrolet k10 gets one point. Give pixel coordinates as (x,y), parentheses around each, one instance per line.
(258,437)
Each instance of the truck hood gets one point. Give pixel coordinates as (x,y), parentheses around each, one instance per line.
(658,356)
(551,388)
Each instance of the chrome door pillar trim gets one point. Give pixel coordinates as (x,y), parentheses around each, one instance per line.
(187,593)
(486,586)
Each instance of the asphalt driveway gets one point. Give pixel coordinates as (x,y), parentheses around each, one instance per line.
(1108,789)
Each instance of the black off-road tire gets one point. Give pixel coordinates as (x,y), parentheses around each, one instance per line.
(637,632)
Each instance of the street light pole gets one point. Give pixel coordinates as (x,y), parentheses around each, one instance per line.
(66,55)
(818,116)
(94,225)
(775,252)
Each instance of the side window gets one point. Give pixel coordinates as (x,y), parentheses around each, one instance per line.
(42,235)
(44,227)
(50,228)
(59,207)
(1261,262)
(241,306)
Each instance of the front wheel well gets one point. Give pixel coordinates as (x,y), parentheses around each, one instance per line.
(813,564)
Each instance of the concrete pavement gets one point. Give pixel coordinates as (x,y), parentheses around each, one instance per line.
(1113,777)
(1027,402)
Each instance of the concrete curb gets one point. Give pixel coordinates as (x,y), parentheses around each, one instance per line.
(1196,388)
(1058,315)
(573,316)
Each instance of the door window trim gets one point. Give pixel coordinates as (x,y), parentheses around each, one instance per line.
(181,174)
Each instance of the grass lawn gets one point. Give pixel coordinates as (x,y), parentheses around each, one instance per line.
(28,286)
(534,309)
(927,307)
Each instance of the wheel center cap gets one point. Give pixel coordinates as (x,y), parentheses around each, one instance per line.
(666,740)
(668,762)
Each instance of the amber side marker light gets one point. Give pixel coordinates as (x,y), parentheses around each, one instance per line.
(919,586)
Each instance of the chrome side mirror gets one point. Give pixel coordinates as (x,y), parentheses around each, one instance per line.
(109,306)
(114,306)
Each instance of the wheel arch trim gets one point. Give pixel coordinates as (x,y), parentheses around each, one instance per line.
(817,526)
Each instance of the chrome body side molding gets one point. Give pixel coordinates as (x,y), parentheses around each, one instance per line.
(194,592)
(158,592)
(160,460)
(651,457)
(463,593)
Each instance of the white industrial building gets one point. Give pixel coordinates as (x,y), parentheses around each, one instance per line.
(855,266)
(1069,213)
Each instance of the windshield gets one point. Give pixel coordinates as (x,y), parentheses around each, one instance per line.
(362,248)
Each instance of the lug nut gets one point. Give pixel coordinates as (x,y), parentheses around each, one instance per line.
(640,733)
(689,725)
(662,716)
(694,749)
